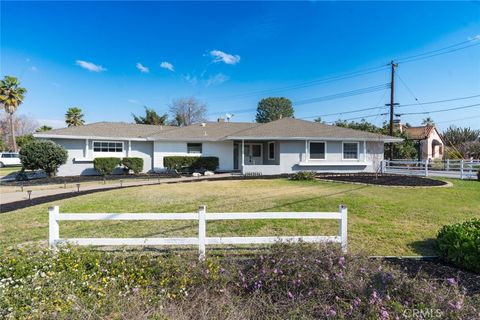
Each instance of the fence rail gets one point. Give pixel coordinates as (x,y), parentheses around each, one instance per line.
(462,169)
(202,217)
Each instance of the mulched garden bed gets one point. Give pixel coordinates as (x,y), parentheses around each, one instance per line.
(79,179)
(382,179)
(439,270)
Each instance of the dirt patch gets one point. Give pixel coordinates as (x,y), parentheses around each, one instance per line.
(383,179)
(439,270)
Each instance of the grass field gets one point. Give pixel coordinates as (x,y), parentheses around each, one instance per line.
(382,221)
(7,170)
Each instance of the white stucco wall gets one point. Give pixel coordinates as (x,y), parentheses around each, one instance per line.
(80,158)
(221,149)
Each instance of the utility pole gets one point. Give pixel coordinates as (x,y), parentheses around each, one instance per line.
(392,103)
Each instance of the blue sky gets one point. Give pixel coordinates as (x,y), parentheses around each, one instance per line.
(112,58)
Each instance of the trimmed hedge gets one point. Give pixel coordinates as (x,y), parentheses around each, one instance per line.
(45,155)
(460,244)
(304,175)
(195,163)
(134,164)
(105,166)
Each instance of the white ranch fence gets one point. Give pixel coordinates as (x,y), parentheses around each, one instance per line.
(462,169)
(202,217)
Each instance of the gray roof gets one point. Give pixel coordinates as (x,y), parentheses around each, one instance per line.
(106,130)
(294,129)
(207,131)
(286,129)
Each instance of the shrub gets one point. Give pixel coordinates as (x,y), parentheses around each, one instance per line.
(134,164)
(460,244)
(301,281)
(195,163)
(478,175)
(43,155)
(106,165)
(304,175)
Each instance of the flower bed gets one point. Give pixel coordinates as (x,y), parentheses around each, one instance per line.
(383,179)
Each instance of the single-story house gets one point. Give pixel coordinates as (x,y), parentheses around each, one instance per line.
(283,146)
(430,144)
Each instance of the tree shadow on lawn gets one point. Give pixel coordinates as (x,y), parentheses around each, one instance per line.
(426,247)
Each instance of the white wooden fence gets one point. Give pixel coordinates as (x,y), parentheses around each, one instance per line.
(202,216)
(462,169)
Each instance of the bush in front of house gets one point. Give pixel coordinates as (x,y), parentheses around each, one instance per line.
(460,244)
(105,166)
(290,281)
(304,176)
(195,163)
(43,155)
(133,163)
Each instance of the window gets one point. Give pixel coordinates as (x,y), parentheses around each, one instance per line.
(256,150)
(6,155)
(317,150)
(107,146)
(350,150)
(194,148)
(271,151)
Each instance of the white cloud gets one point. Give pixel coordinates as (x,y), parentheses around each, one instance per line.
(220,56)
(192,79)
(167,65)
(133,101)
(217,79)
(90,66)
(142,68)
(33,68)
(474,38)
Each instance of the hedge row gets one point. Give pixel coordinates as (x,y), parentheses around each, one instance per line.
(194,163)
(105,166)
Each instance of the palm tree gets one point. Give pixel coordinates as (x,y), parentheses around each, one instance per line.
(44,128)
(11,96)
(428,121)
(74,117)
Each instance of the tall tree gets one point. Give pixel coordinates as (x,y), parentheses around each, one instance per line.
(428,121)
(11,96)
(44,128)
(151,117)
(273,108)
(187,111)
(74,117)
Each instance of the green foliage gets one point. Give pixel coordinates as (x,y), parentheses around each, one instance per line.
(105,166)
(44,128)
(151,117)
(304,175)
(454,154)
(273,108)
(301,281)
(43,155)
(195,163)
(22,141)
(74,117)
(460,244)
(134,164)
(455,137)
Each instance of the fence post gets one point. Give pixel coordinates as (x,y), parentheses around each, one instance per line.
(448,165)
(342,209)
(53,226)
(461,169)
(426,168)
(383,165)
(202,230)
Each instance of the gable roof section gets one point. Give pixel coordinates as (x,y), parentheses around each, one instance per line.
(418,133)
(98,130)
(295,129)
(207,131)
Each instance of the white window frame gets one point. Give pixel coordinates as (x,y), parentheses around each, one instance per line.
(108,141)
(358,151)
(201,147)
(309,148)
(274,151)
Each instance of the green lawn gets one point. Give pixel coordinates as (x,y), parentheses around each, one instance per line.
(7,170)
(382,220)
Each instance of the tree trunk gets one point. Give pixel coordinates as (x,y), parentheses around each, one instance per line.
(12,132)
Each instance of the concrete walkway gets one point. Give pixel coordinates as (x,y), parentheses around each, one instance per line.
(9,197)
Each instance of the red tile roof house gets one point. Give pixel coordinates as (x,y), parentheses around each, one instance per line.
(283,146)
(431,145)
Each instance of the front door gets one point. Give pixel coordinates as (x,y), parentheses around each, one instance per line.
(253,153)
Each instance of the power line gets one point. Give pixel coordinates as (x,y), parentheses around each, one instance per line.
(440,101)
(362,117)
(438,54)
(344,94)
(453,120)
(442,110)
(437,50)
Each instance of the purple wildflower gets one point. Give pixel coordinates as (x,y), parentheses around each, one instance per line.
(384,314)
(331,312)
(452,281)
(290,295)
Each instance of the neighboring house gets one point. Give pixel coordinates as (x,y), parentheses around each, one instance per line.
(430,143)
(283,146)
